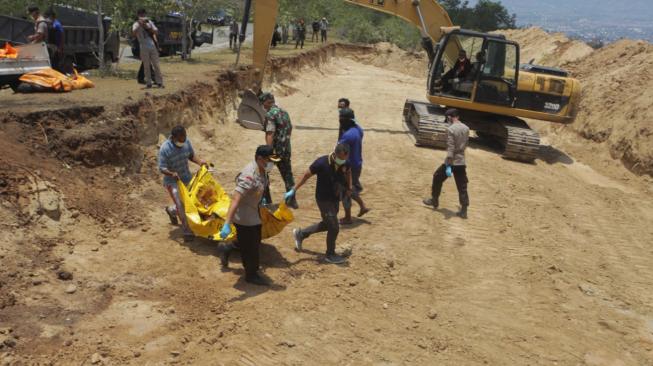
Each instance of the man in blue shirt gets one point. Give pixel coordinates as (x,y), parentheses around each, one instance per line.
(174,155)
(56,40)
(352,136)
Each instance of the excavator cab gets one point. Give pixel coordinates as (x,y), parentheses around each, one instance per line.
(475,67)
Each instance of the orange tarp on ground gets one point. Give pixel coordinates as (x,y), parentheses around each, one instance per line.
(8,51)
(55,81)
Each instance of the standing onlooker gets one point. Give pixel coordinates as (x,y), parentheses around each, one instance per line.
(233,34)
(454,164)
(315,36)
(284,33)
(41,26)
(251,184)
(352,137)
(276,35)
(324,27)
(333,177)
(56,43)
(174,155)
(301,34)
(146,32)
(278,130)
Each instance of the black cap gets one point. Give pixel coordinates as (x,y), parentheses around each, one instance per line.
(347,113)
(452,112)
(32,8)
(267,151)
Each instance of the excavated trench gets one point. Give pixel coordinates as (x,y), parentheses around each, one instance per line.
(81,194)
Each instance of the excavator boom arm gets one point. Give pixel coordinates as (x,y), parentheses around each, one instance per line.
(427,15)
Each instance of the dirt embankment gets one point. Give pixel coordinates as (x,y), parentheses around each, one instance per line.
(550,49)
(617,100)
(67,186)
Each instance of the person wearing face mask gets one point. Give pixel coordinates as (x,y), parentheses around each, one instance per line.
(174,155)
(333,177)
(454,164)
(278,130)
(251,184)
(352,137)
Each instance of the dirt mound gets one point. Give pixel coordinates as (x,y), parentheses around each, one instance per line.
(391,57)
(617,81)
(548,49)
(616,105)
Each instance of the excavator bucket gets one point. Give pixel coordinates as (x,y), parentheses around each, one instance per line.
(251,114)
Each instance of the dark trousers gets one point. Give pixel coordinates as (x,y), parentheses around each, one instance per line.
(300,41)
(356,186)
(315,36)
(329,223)
(233,39)
(459,175)
(249,241)
(324,35)
(285,168)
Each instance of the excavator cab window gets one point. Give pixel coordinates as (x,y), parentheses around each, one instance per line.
(458,66)
(498,80)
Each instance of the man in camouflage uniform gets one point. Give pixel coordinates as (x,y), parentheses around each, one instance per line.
(278,130)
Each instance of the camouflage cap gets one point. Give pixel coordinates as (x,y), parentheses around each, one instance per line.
(265,96)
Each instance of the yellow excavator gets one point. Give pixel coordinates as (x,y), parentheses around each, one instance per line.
(492,90)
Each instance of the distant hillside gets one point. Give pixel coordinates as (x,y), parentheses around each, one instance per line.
(587,19)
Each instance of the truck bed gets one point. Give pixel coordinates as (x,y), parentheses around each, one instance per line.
(31,57)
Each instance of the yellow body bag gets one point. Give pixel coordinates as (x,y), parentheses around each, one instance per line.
(206,205)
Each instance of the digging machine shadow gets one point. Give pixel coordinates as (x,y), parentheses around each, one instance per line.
(547,153)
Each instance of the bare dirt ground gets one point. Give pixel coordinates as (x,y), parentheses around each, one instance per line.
(552,267)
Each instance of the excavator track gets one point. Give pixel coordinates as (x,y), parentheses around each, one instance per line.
(429,126)
(521,142)
(427,123)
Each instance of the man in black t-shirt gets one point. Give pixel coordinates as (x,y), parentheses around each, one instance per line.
(333,179)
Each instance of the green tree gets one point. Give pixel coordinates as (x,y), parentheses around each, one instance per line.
(485,16)
(490,15)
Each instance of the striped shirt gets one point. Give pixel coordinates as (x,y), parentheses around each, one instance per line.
(175,159)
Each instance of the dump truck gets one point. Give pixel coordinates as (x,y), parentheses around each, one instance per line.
(31,57)
(170,34)
(81,37)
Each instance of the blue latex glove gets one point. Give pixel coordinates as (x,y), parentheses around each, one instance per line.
(448,171)
(290,194)
(226,230)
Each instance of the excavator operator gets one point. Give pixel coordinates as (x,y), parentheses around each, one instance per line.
(460,70)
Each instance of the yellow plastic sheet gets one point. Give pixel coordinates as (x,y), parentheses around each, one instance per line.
(206,204)
(56,81)
(8,51)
